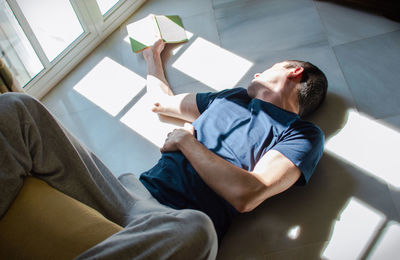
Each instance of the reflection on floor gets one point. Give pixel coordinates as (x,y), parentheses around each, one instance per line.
(351,208)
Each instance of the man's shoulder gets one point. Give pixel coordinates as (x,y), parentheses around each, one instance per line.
(238,92)
(306,127)
(307,131)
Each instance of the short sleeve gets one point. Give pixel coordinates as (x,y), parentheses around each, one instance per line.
(204,100)
(303,144)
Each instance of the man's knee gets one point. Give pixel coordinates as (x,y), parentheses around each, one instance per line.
(200,234)
(13,97)
(13,102)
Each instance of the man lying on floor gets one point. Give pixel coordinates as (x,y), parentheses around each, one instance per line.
(241,147)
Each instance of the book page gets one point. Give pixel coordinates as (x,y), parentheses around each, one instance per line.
(144,31)
(171,28)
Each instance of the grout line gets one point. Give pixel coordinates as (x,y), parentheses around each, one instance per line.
(340,66)
(322,22)
(215,22)
(387,116)
(366,38)
(334,45)
(337,60)
(68,113)
(378,234)
(391,191)
(306,245)
(345,80)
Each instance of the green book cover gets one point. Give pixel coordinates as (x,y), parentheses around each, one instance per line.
(145,32)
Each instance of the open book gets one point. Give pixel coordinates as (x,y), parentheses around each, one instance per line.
(147,31)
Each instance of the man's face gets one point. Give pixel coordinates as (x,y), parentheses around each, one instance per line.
(271,78)
(272,75)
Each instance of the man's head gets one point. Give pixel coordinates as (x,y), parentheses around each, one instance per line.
(312,88)
(299,82)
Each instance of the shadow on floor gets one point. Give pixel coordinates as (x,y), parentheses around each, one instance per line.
(388,8)
(313,209)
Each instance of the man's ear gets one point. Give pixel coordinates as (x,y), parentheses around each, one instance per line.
(296,72)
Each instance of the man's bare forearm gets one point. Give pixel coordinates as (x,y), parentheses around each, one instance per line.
(156,80)
(165,102)
(244,190)
(234,184)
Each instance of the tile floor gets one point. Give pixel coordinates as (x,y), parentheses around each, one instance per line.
(351,208)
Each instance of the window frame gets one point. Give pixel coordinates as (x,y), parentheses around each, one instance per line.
(96,28)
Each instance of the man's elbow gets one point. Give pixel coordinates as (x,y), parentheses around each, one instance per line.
(249,195)
(246,203)
(243,208)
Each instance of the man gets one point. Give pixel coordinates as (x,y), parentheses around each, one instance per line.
(243,147)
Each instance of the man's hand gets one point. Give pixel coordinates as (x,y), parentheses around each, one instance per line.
(178,137)
(159,109)
(155,50)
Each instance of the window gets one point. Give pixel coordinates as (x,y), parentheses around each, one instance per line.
(106,5)
(41,41)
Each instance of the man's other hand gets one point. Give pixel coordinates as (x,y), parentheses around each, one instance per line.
(177,137)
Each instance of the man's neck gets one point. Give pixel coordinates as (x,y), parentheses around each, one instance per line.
(278,96)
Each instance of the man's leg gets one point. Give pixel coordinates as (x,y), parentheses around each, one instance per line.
(160,234)
(32,142)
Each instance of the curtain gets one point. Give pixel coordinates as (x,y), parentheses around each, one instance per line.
(7,82)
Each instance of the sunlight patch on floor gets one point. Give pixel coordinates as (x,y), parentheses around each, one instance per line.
(369,145)
(388,246)
(353,231)
(147,123)
(294,232)
(110,86)
(212,65)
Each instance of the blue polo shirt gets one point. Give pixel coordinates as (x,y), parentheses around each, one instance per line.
(240,130)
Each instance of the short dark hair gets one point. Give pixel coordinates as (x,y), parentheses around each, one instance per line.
(313,87)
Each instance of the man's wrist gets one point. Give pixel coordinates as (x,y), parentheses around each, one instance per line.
(150,55)
(187,142)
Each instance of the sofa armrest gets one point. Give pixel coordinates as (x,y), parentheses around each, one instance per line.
(43,223)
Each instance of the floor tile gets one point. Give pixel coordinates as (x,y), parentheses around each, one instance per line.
(344,24)
(353,236)
(388,246)
(120,148)
(368,66)
(199,28)
(149,125)
(255,26)
(395,193)
(173,7)
(64,99)
(369,145)
(393,121)
(210,64)
(310,252)
(218,3)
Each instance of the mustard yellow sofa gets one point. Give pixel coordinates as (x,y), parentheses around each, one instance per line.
(43,223)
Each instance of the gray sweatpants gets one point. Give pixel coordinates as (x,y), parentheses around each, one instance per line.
(33,143)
